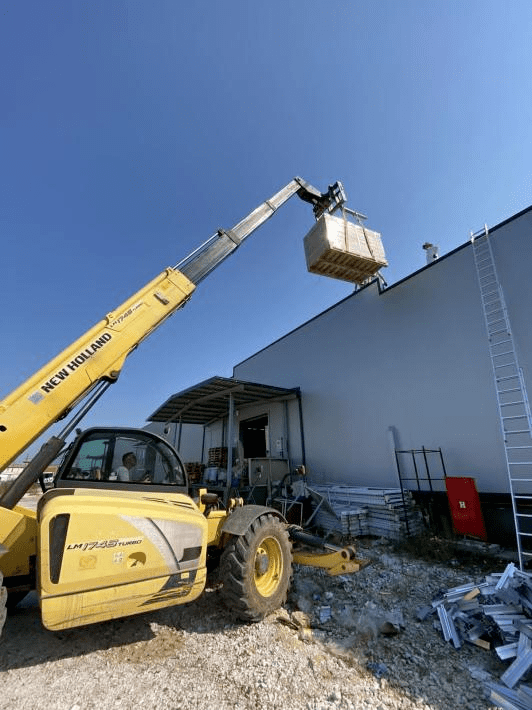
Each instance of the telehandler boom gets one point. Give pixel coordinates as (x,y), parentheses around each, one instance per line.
(96,359)
(111,540)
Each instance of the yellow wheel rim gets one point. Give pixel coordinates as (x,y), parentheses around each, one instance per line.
(268,566)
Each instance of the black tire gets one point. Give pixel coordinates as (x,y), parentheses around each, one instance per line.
(256,569)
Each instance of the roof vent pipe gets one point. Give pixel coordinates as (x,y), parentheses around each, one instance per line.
(432,251)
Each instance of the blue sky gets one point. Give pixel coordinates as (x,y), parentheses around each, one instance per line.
(131,131)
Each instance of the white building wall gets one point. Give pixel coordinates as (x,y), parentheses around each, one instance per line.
(414,359)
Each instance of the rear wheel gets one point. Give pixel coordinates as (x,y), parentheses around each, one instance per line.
(256,569)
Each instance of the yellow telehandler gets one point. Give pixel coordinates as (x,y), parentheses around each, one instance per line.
(120,532)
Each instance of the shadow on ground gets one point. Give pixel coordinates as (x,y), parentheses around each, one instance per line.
(25,642)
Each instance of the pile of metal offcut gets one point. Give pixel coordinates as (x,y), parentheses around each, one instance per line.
(494,614)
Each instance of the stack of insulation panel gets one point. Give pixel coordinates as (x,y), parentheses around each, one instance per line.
(384,512)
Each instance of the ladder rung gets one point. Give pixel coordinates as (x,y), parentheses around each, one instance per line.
(507,377)
(516,416)
(509,404)
(528,446)
(506,352)
(517,431)
(523,496)
(501,342)
(523,515)
(496,332)
(497,323)
(499,320)
(514,389)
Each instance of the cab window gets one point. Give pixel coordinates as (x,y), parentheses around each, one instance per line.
(125,458)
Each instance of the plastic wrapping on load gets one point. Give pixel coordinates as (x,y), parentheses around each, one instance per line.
(211,474)
(341,249)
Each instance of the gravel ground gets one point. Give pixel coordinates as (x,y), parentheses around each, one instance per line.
(325,650)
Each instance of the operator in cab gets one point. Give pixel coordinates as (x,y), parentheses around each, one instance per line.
(129,461)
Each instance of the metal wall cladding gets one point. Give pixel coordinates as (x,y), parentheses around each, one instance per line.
(341,249)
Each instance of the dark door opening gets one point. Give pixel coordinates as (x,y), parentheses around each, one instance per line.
(253,435)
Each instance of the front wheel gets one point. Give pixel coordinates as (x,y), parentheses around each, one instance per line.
(256,569)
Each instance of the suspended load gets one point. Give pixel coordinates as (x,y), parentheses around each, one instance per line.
(344,250)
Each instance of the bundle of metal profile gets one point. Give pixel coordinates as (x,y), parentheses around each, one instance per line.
(348,523)
(354,522)
(353,496)
(496,613)
(382,512)
(394,524)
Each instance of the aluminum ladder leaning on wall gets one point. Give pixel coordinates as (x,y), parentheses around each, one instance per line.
(512,399)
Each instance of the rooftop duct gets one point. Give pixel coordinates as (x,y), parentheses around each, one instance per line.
(432,251)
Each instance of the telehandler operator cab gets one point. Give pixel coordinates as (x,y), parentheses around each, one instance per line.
(121,459)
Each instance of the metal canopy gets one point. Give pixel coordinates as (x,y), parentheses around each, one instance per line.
(209,400)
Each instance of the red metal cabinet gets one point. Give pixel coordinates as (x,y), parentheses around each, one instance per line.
(465,507)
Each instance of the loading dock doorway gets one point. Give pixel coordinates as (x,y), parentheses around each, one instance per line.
(254,435)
